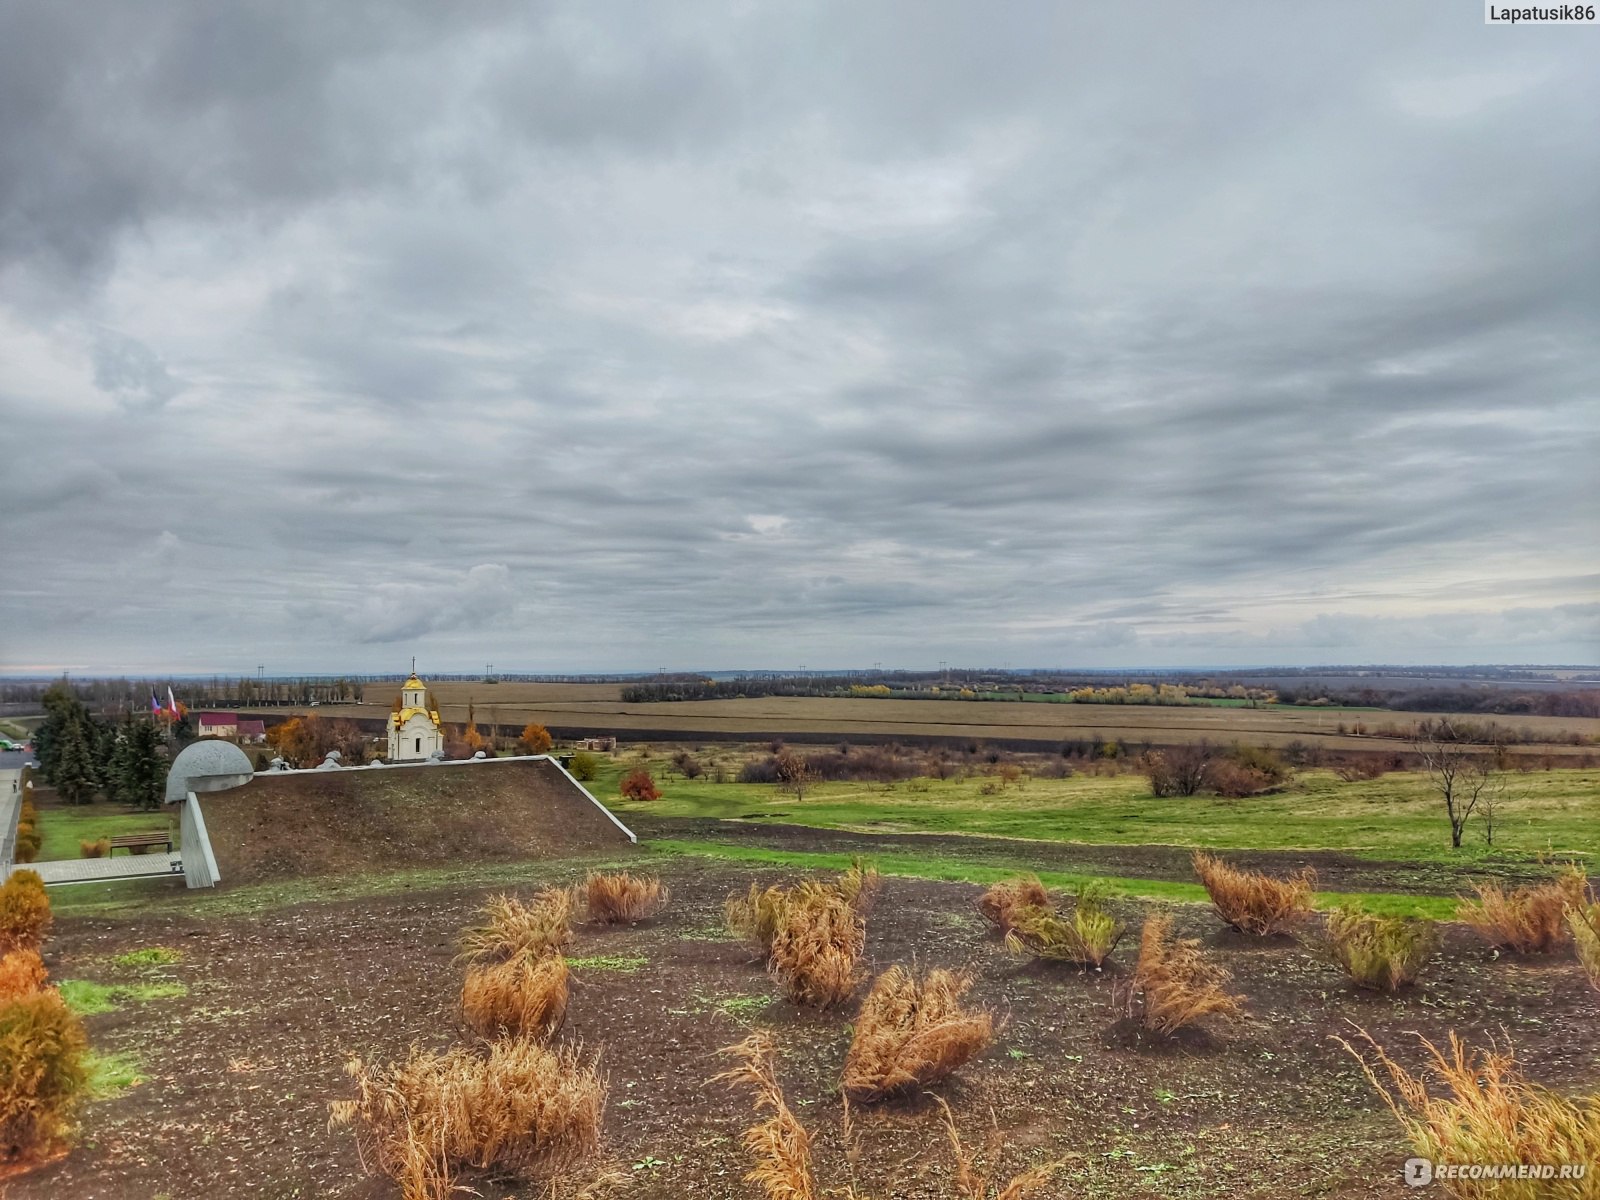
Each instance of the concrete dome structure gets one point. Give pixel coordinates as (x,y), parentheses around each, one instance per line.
(207,767)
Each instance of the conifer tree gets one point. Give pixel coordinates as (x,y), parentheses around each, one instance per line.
(144,780)
(74,774)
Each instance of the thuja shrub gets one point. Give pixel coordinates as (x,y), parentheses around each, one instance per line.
(28,842)
(1528,920)
(1086,936)
(1254,903)
(43,1076)
(24,912)
(816,948)
(1480,1108)
(1174,986)
(524,996)
(22,973)
(619,897)
(998,904)
(511,927)
(913,1033)
(512,1106)
(1384,954)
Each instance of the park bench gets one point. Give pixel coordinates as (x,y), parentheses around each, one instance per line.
(145,840)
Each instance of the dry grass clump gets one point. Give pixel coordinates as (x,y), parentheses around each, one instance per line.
(517,1108)
(912,1034)
(1174,985)
(99,848)
(817,947)
(1253,903)
(859,886)
(24,912)
(22,973)
(1086,936)
(43,1076)
(525,996)
(780,1145)
(974,1184)
(1487,1112)
(782,1149)
(1584,922)
(811,934)
(1009,896)
(613,899)
(755,916)
(513,928)
(1528,920)
(1381,953)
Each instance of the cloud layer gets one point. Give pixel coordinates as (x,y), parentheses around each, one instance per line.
(611,337)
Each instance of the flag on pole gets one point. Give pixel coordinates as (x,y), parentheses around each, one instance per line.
(155,705)
(172,703)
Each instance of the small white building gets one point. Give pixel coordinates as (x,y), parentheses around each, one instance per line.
(415,733)
(217,725)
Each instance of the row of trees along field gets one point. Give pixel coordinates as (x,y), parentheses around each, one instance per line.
(110,695)
(976,685)
(248,691)
(84,756)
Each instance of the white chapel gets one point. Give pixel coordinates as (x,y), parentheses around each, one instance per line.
(415,733)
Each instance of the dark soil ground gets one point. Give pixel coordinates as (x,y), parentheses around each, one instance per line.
(238,1072)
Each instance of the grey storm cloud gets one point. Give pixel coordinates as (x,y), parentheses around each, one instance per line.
(610,337)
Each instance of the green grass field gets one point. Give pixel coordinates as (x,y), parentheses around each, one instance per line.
(1395,817)
(917,866)
(61,828)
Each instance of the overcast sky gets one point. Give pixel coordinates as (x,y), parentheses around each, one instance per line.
(619,336)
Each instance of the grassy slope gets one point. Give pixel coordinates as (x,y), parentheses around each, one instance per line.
(1395,817)
(919,867)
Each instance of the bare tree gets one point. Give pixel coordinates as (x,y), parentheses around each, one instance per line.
(1180,770)
(1464,777)
(1495,794)
(794,773)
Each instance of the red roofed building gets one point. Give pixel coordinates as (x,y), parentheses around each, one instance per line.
(217,724)
(229,725)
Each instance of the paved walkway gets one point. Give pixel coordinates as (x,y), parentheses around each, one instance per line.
(98,870)
(10,802)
